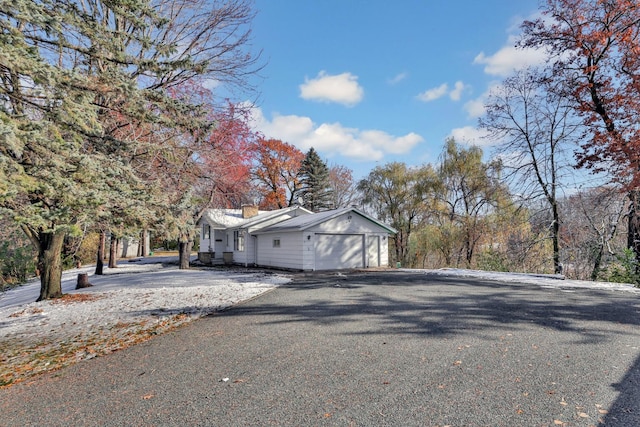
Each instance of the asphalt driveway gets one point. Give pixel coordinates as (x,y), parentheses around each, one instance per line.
(366,349)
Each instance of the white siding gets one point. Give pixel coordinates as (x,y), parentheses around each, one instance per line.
(288,255)
(347,223)
(348,241)
(384,250)
(373,251)
(244,257)
(308,251)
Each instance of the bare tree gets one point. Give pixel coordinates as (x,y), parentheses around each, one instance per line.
(537,129)
(594,230)
(344,189)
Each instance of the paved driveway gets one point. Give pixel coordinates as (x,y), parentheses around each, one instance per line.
(374,349)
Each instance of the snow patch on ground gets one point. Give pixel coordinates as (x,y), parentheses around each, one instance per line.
(543,280)
(125,305)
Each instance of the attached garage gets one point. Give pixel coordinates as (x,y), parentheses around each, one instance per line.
(330,240)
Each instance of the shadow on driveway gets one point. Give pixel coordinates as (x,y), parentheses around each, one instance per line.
(415,303)
(412,304)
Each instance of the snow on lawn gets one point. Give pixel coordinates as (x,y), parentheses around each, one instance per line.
(126,305)
(543,280)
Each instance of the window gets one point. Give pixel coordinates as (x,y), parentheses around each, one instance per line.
(238,241)
(206,231)
(276,243)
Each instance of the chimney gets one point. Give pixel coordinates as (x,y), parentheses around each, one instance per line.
(249,211)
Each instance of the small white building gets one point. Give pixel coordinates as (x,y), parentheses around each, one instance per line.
(297,239)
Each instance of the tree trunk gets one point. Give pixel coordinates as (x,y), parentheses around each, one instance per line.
(555,237)
(597,262)
(113,252)
(633,234)
(100,255)
(184,249)
(144,251)
(83,281)
(50,264)
(398,243)
(468,246)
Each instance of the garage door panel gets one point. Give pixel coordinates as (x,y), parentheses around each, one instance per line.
(336,251)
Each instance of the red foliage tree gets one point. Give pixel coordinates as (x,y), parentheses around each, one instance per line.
(276,170)
(596,46)
(231,142)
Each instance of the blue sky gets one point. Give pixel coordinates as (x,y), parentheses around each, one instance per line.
(370,82)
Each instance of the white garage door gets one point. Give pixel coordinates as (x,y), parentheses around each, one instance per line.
(337,251)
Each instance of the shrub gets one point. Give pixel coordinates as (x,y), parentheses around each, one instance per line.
(624,270)
(17,260)
(492,260)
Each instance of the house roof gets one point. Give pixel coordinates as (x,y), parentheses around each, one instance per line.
(232,218)
(223,218)
(267,216)
(305,222)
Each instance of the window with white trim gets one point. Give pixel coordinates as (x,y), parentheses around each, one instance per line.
(238,241)
(276,243)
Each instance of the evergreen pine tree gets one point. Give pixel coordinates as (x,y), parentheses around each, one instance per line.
(90,100)
(316,188)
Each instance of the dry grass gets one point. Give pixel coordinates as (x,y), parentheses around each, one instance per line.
(21,360)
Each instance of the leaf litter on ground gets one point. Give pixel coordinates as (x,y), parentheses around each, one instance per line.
(128,305)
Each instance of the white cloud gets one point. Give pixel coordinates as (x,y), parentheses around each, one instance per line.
(398,78)
(211,84)
(433,94)
(333,138)
(471,136)
(456,93)
(438,92)
(475,108)
(509,59)
(341,88)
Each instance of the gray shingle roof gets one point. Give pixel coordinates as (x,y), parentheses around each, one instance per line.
(232,218)
(304,222)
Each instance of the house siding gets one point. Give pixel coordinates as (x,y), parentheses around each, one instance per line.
(242,257)
(348,223)
(308,251)
(250,253)
(288,255)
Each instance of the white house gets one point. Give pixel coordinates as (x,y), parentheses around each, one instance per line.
(295,238)
(224,232)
